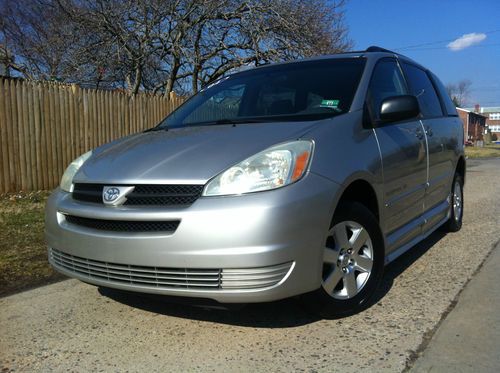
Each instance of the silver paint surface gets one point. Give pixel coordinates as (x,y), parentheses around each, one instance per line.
(409,166)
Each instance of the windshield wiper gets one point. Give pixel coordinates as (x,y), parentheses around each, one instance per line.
(227,121)
(222,121)
(157,128)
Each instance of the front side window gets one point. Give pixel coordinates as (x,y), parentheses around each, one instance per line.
(387,81)
(422,88)
(311,90)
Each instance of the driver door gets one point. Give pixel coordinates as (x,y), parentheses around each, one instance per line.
(404,155)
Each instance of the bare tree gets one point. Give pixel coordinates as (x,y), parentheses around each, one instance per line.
(459,92)
(163,45)
(36,38)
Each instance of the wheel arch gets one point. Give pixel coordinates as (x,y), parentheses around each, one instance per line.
(361,191)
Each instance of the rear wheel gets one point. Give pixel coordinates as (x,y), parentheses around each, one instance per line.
(454,224)
(353,259)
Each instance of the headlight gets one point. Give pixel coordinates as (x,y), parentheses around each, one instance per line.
(67,178)
(273,168)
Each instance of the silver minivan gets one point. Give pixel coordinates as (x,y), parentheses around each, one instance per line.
(302,178)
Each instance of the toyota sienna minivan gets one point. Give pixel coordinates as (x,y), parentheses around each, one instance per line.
(301,178)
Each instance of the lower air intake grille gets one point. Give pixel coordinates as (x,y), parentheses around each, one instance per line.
(124,225)
(171,278)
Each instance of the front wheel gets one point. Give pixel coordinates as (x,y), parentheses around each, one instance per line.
(353,260)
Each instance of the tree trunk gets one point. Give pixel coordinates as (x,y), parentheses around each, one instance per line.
(194,82)
(172,76)
(134,88)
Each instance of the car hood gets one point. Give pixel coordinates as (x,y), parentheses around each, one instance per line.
(190,155)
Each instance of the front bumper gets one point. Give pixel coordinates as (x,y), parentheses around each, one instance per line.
(237,249)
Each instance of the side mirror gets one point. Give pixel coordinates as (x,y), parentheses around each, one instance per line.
(398,108)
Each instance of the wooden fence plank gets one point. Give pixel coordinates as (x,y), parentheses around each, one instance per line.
(101,128)
(45,125)
(67,127)
(86,119)
(104,117)
(113,117)
(41,157)
(73,130)
(33,171)
(121,123)
(54,134)
(48,149)
(15,134)
(62,144)
(93,119)
(5,96)
(39,182)
(4,142)
(22,143)
(13,162)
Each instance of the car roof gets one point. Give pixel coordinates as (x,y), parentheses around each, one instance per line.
(373,52)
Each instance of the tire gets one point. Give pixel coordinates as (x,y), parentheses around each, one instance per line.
(454,224)
(353,263)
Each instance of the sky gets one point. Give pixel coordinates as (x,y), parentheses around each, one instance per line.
(455,39)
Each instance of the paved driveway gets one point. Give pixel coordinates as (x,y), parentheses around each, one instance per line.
(77,327)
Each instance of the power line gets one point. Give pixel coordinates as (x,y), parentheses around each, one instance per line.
(438,42)
(489,103)
(440,48)
(485,89)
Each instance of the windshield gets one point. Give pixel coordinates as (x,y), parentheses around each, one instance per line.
(303,91)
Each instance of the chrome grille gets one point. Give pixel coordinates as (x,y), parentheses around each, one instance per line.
(171,278)
(143,194)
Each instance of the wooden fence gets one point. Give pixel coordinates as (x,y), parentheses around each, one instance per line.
(44,126)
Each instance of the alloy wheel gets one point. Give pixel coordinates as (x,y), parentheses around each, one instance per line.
(457,200)
(347,260)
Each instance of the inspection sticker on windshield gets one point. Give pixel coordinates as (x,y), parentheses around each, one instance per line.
(334,104)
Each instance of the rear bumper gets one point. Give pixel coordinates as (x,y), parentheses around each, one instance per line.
(265,246)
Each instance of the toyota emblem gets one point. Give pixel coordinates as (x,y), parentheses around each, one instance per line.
(111,194)
(115,195)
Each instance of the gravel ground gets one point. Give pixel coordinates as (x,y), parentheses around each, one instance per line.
(71,326)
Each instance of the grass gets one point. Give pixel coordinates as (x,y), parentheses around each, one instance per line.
(488,151)
(23,254)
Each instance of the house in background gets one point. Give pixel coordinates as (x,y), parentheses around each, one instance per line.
(492,115)
(474,126)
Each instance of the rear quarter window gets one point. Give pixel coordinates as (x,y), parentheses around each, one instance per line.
(448,104)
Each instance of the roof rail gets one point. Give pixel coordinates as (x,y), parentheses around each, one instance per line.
(374,48)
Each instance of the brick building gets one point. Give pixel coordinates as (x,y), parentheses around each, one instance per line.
(492,115)
(474,125)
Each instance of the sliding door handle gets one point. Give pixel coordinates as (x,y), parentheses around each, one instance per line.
(419,133)
(428,130)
